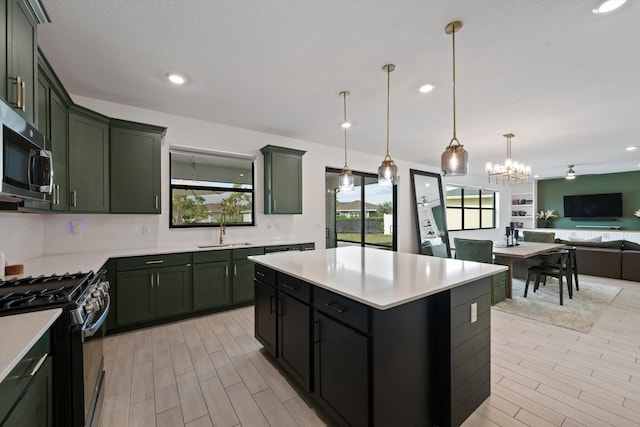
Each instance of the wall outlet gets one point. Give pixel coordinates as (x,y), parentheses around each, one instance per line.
(474,312)
(145,230)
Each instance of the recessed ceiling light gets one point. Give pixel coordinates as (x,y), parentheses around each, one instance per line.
(632,148)
(176,78)
(606,6)
(346,125)
(536,176)
(426,88)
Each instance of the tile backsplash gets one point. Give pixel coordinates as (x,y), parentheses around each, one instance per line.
(21,236)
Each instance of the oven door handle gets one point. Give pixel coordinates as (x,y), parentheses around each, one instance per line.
(90,330)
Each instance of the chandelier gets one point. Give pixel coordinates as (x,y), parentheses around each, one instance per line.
(510,170)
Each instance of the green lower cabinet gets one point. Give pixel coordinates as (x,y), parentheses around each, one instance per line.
(134,296)
(35,407)
(211,285)
(242,281)
(150,294)
(243,273)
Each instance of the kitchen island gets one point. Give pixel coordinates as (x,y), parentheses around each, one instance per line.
(378,337)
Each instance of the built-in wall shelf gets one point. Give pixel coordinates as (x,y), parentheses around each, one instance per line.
(523,206)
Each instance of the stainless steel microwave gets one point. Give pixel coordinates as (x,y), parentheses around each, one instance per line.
(26,168)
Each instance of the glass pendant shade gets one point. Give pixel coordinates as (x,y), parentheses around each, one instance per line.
(387,172)
(345,180)
(455,161)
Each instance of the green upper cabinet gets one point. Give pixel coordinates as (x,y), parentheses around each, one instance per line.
(282,180)
(52,120)
(135,167)
(88,161)
(21,75)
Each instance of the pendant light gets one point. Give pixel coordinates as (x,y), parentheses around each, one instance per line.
(345,180)
(455,158)
(388,171)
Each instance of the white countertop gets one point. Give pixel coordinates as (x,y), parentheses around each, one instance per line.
(378,278)
(18,333)
(94,260)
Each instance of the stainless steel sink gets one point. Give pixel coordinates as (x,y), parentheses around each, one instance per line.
(224,245)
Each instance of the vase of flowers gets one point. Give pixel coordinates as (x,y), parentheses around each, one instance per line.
(546,217)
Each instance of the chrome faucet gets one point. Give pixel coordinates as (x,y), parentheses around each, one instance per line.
(223,228)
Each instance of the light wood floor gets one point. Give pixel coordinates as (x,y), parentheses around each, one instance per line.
(210,371)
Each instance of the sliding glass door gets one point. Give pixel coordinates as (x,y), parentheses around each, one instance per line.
(365,216)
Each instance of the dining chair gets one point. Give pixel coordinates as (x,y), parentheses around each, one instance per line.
(556,265)
(482,251)
(538,236)
(572,266)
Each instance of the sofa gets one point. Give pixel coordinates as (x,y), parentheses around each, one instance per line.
(617,259)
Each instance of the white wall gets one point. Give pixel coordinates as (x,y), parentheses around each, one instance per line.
(29,235)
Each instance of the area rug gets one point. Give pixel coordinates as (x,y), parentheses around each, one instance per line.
(579,313)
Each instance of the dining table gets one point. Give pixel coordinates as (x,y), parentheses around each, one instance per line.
(507,255)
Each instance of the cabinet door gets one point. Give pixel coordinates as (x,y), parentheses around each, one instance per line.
(211,285)
(21,57)
(172,290)
(35,406)
(286,183)
(265,316)
(134,302)
(59,135)
(341,370)
(294,344)
(242,280)
(135,171)
(88,164)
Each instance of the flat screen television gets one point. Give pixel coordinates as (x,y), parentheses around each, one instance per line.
(593,206)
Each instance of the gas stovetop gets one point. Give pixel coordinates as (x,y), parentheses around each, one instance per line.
(42,292)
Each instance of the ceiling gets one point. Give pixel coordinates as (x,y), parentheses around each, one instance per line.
(562,79)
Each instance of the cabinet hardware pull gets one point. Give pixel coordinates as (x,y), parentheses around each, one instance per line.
(316,331)
(272,309)
(259,273)
(33,371)
(235,270)
(335,307)
(274,205)
(226,271)
(291,288)
(57,187)
(159,261)
(24,97)
(157,280)
(53,195)
(156,198)
(151,280)
(74,198)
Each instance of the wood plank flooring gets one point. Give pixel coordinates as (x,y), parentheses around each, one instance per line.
(209,371)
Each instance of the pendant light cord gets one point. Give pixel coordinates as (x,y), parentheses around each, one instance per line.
(388,96)
(344,95)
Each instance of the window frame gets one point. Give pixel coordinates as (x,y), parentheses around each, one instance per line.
(362,213)
(211,153)
(479,209)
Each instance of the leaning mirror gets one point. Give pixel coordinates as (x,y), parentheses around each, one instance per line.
(431,220)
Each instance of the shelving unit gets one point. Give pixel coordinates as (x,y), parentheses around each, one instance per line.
(523,207)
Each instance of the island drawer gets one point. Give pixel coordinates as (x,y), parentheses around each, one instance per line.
(265,275)
(294,287)
(344,309)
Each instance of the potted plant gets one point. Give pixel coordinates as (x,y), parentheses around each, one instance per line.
(546,217)
(637,214)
